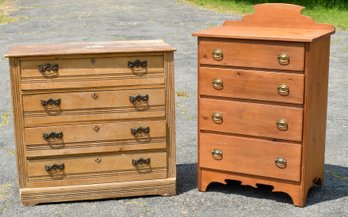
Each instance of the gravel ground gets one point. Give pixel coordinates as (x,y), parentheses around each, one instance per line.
(105,20)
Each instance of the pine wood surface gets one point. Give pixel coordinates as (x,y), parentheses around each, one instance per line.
(249,104)
(258,54)
(89,66)
(274,22)
(252,84)
(251,156)
(252,119)
(94,138)
(95,116)
(80,48)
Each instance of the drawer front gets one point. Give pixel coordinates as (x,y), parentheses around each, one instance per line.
(50,108)
(251,119)
(91,138)
(250,156)
(248,53)
(91,72)
(250,84)
(57,69)
(101,168)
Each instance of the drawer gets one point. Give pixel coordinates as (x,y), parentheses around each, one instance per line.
(89,66)
(91,72)
(51,108)
(251,84)
(101,168)
(279,122)
(94,138)
(250,156)
(248,53)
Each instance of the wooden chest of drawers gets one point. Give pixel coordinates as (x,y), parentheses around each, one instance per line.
(93,120)
(262,85)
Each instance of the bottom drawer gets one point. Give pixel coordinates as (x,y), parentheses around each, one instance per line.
(101,168)
(250,156)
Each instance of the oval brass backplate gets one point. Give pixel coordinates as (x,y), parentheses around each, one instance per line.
(283,59)
(217,154)
(282,124)
(217,117)
(217,54)
(218,84)
(283,89)
(280,162)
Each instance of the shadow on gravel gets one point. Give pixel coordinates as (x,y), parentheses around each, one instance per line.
(186,177)
(335,186)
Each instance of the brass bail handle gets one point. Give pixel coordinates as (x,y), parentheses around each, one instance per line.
(283,89)
(217,54)
(283,59)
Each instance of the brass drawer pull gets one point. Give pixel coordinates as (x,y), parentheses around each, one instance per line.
(55,167)
(218,84)
(282,124)
(217,117)
(52,135)
(140,130)
(217,154)
(139,98)
(283,59)
(48,69)
(218,54)
(141,161)
(280,162)
(138,67)
(51,101)
(283,90)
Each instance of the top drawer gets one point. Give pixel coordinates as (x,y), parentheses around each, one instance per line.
(90,66)
(250,53)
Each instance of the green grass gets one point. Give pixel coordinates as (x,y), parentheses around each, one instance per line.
(321,14)
(5,7)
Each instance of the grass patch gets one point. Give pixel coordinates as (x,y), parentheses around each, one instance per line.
(333,15)
(6,6)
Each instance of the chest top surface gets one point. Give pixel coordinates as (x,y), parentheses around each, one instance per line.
(89,48)
(271,21)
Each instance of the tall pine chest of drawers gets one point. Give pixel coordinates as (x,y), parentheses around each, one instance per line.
(262,100)
(93,120)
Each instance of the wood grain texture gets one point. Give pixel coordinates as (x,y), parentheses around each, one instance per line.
(95,116)
(252,84)
(93,100)
(89,48)
(257,54)
(278,15)
(275,22)
(251,156)
(170,113)
(18,121)
(315,108)
(290,188)
(81,67)
(94,82)
(247,110)
(96,168)
(94,138)
(33,196)
(251,119)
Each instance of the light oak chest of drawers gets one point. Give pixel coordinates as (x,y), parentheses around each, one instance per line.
(94,120)
(262,85)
